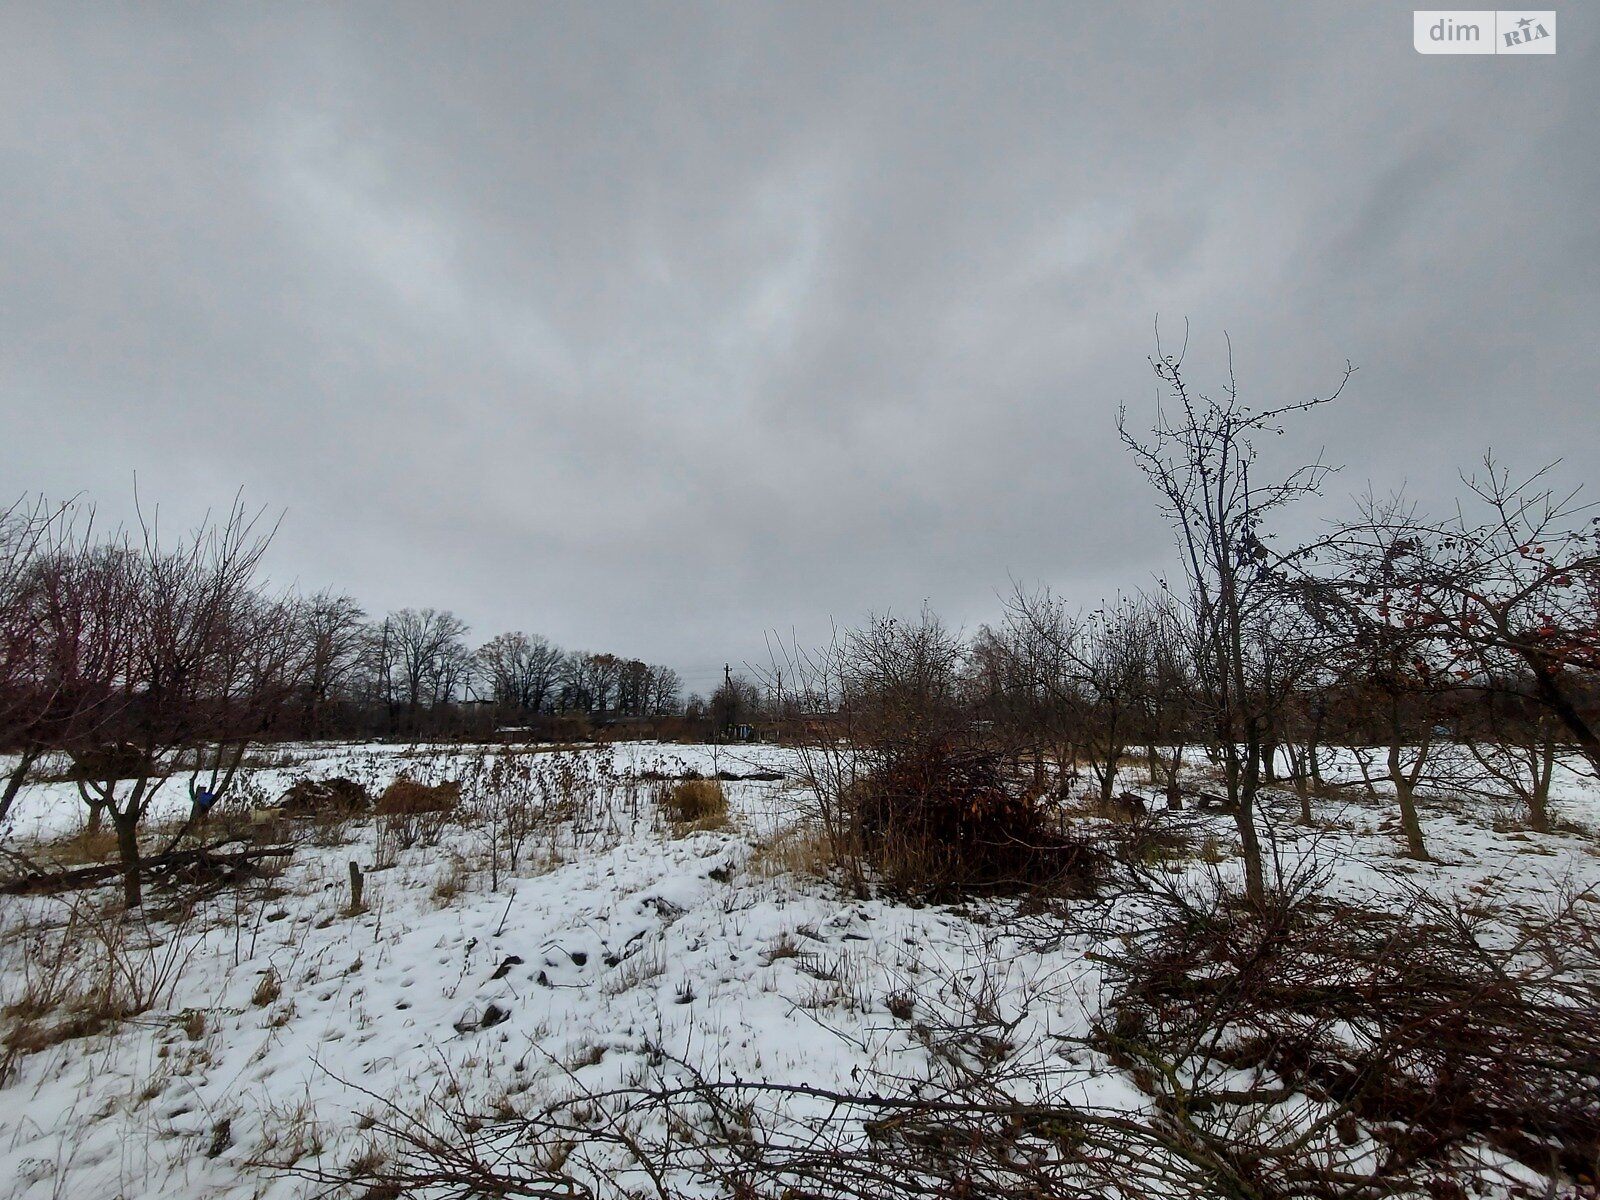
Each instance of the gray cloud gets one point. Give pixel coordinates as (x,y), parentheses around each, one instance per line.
(655,326)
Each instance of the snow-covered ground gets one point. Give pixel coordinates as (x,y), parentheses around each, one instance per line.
(616,946)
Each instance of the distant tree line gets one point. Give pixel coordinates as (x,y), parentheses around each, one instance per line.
(131,662)
(414,671)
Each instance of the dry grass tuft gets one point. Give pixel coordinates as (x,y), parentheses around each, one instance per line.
(268,989)
(643,965)
(803,849)
(84,848)
(406,797)
(696,804)
(452,881)
(76,976)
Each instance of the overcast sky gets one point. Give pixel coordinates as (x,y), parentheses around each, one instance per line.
(651,328)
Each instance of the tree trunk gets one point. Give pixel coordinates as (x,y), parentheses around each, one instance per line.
(1255,883)
(1269,762)
(127,825)
(1300,759)
(96,802)
(1539,794)
(1556,700)
(14,784)
(1410,823)
(1241,797)
(1405,796)
(1174,790)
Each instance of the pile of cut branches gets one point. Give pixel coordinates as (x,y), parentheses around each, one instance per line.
(939,820)
(1320,1038)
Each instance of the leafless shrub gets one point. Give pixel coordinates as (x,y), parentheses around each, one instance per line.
(518,794)
(914,794)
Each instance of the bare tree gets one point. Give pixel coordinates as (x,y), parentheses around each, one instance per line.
(737,701)
(1096,667)
(22,530)
(191,667)
(420,652)
(451,672)
(256,678)
(52,637)
(1297,652)
(1522,761)
(664,689)
(540,668)
(1201,458)
(605,675)
(520,670)
(1391,652)
(1514,592)
(1168,695)
(1017,678)
(576,692)
(330,630)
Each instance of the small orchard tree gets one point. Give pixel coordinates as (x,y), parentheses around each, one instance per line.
(197,660)
(1514,594)
(1016,677)
(28,692)
(1200,456)
(1167,700)
(65,615)
(1392,664)
(1097,667)
(1519,754)
(1501,603)
(257,679)
(1303,668)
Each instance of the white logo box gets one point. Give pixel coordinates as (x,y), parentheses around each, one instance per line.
(1484,31)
